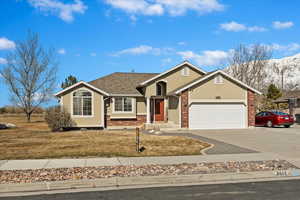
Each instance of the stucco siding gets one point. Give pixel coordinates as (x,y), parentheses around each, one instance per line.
(141,105)
(96,119)
(173,109)
(174,80)
(210,90)
(121,115)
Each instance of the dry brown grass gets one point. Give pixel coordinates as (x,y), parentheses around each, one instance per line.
(34,140)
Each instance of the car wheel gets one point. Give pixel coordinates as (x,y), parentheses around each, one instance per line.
(269,124)
(287,126)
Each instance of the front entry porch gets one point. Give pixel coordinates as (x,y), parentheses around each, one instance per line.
(157,114)
(157,110)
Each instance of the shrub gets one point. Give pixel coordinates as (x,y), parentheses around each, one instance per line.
(58,119)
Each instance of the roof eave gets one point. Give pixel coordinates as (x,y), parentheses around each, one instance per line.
(173,68)
(214,73)
(77,84)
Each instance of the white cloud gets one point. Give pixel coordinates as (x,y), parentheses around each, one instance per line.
(282,25)
(166,60)
(62,51)
(181,43)
(143,49)
(257,29)
(287,48)
(93,54)
(63,10)
(233,26)
(6,44)
(206,58)
(3,61)
(160,7)
(137,7)
(133,18)
(236,27)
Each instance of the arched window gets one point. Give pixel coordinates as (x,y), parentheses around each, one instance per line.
(82,103)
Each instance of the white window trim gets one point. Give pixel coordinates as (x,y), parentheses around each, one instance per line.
(82,116)
(132,103)
(165,81)
(187,71)
(221,79)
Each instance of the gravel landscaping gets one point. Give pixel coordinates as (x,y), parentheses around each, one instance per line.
(61,174)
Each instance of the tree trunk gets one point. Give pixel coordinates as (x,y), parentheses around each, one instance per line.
(28,115)
(282,81)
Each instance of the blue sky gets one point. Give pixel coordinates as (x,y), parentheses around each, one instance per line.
(93,38)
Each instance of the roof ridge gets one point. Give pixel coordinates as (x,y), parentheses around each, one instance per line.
(134,73)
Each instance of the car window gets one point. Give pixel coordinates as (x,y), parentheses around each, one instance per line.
(267,114)
(279,113)
(260,114)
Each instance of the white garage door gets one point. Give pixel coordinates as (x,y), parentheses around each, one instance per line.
(217,116)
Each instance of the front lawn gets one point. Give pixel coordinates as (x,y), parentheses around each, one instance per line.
(34,140)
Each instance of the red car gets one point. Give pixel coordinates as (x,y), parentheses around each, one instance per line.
(274,118)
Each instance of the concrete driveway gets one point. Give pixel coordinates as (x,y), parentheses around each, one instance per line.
(284,142)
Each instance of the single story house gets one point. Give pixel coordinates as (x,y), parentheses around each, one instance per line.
(184,96)
(292,98)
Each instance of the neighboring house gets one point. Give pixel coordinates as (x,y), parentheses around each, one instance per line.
(184,96)
(293,99)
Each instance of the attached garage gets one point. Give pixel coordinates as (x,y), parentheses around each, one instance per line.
(217,116)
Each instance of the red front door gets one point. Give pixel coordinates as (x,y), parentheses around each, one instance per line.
(159,110)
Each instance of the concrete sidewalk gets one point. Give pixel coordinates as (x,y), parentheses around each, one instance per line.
(95,162)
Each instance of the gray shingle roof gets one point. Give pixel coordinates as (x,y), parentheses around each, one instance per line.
(121,82)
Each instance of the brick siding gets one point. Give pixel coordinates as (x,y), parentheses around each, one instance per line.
(140,120)
(251,108)
(185,109)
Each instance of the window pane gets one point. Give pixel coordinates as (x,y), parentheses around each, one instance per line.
(118,104)
(81,93)
(158,89)
(127,104)
(87,106)
(77,105)
(86,94)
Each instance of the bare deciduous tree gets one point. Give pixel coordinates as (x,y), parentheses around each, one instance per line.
(248,64)
(285,71)
(30,74)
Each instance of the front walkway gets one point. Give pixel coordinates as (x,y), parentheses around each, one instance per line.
(95,162)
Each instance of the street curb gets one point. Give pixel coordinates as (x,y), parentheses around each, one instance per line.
(139,182)
(203,151)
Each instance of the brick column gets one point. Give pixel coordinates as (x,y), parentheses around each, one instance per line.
(185,109)
(251,108)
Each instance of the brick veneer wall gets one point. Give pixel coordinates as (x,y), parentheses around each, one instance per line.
(251,108)
(185,109)
(140,119)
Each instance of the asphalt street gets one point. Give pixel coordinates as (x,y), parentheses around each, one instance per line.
(274,190)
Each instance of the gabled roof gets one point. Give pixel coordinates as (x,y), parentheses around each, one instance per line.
(173,92)
(172,69)
(207,76)
(121,83)
(79,83)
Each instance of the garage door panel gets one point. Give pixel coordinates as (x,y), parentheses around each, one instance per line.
(217,116)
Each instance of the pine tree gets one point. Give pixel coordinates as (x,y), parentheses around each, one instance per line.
(70,80)
(273,92)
